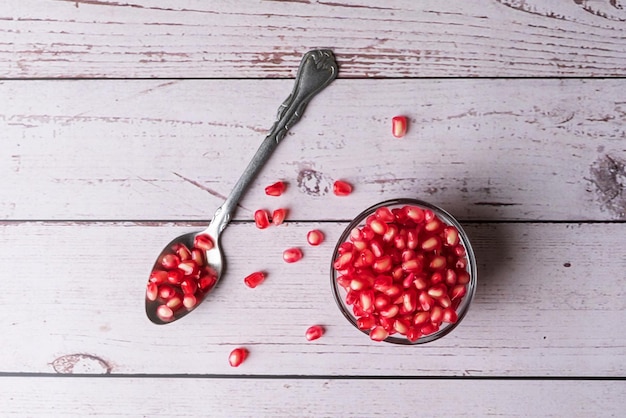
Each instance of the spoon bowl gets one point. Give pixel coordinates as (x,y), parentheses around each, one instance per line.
(192,264)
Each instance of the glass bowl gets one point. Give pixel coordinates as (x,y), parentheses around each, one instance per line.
(415,280)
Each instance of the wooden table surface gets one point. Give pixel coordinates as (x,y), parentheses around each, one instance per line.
(125,124)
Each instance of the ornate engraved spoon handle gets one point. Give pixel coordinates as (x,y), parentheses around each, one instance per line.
(317,69)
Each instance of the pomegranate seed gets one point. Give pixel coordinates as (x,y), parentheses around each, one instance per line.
(175,276)
(175,303)
(254,279)
(450,316)
(366,322)
(189,267)
(438,262)
(198,256)
(431,244)
(421,283)
(237,356)
(189,286)
(166,292)
(377,248)
(391,233)
(152,291)
(413,334)
(429,328)
(463,277)
(366,258)
(342,188)
(425,301)
(421,318)
(414,213)
(436,278)
(393,291)
(408,280)
(460,251)
(379,333)
(203,242)
(206,282)
(451,277)
(433,226)
(278,216)
(170,261)
(343,261)
(366,299)
(189,301)
(401,326)
(261,219)
(451,236)
(398,126)
(381,301)
(409,301)
(314,332)
(390,311)
(291,255)
(275,189)
(411,239)
(344,281)
(458,291)
(182,252)
(384,214)
(429,215)
(158,277)
(444,301)
(436,315)
(165,313)
(382,264)
(412,265)
(436,292)
(379,227)
(315,237)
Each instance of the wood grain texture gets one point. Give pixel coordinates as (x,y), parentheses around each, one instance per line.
(167,149)
(217,39)
(134,397)
(550,302)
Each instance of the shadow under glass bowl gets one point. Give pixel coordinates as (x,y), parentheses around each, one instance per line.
(359,221)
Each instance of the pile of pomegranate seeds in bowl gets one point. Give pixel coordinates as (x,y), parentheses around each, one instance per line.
(404,272)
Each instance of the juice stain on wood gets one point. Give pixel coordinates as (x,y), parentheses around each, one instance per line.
(81,364)
(608,176)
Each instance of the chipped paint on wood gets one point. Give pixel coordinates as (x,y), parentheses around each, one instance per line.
(81,364)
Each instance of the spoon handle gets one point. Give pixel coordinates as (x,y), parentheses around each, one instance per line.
(317,69)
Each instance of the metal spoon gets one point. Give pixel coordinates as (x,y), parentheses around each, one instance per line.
(317,69)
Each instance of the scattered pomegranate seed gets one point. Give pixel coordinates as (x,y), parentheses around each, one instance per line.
(237,356)
(278,216)
(398,126)
(291,255)
(203,242)
(314,332)
(254,279)
(404,272)
(275,189)
(315,237)
(261,219)
(342,188)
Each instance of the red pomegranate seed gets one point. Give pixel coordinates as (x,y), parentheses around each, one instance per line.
(278,216)
(165,313)
(203,242)
(431,244)
(314,332)
(438,262)
(342,188)
(421,283)
(444,301)
(237,356)
(425,301)
(261,219)
(458,291)
(175,303)
(189,301)
(315,237)
(275,189)
(182,252)
(158,277)
(393,291)
(366,322)
(378,333)
(384,214)
(170,261)
(450,315)
(175,276)
(389,312)
(189,267)
(436,292)
(189,286)
(429,328)
(343,261)
(379,227)
(291,255)
(414,213)
(206,282)
(450,278)
(413,334)
(198,256)
(451,236)
(434,226)
(401,326)
(411,239)
(412,266)
(421,318)
(409,301)
(436,315)
(429,215)
(254,279)
(166,292)
(382,264)
(398,126)
(152,291)
(463,277)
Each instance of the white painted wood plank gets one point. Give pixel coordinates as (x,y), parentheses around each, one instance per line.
(550,302)
(401,38)
(187,397)
(483,149)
